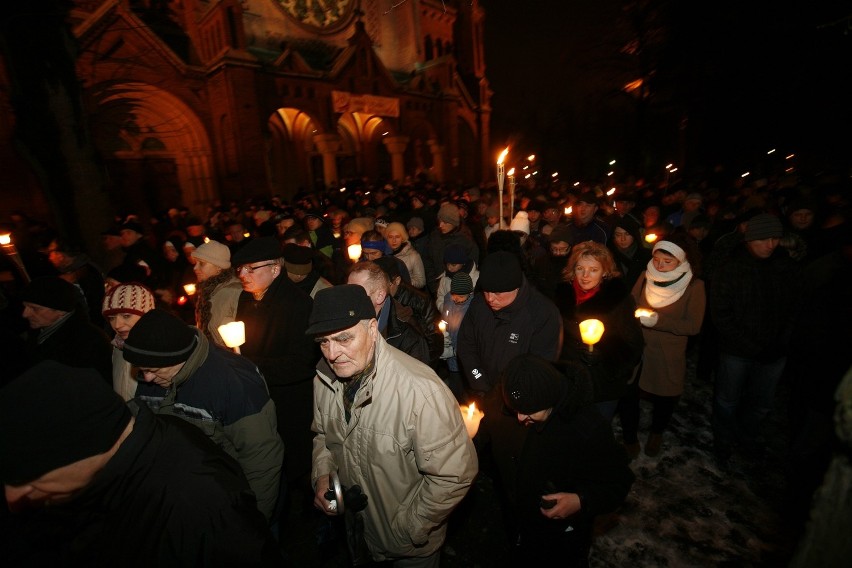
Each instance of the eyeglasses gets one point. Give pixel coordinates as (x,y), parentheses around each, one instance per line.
(251,269)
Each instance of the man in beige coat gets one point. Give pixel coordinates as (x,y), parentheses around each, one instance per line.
(385,422)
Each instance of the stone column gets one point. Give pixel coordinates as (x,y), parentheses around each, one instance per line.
(396,146)
(328,145)
(437,160)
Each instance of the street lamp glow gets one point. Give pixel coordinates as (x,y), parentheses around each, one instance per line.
(610,173)
(669,166)
(531,157)
(612,162)
(554,174)
(746,174)
(527,176)
(772,151)
(611,191)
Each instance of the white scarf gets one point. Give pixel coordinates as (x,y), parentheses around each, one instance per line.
(666,288)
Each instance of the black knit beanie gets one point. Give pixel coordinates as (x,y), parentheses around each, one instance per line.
(54,415)
(51,292)
(158,340)
(500,272)
(531,384)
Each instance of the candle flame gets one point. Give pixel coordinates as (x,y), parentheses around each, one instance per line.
(471,410)
(650,238)
(5,239)
(503,155)
(512,172)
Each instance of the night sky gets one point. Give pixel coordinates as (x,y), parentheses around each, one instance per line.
(728,81)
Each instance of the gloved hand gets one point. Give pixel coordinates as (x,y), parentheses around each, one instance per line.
(649,321)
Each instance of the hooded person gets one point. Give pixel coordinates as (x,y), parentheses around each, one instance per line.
(562,466)
(629,249)
(182,374)
(115,485)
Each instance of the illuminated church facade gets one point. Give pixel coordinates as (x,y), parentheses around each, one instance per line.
(191,102)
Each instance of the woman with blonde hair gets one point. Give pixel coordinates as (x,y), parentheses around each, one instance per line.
(397,237)
(596,291)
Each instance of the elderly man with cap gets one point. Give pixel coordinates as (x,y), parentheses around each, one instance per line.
(447,233)
(508,318)
(564,467)
(299,264)
(92,481)
(385,422)
(60,329)
(222,393)
(218,291)
(122,307)
(753,300)
(275,312)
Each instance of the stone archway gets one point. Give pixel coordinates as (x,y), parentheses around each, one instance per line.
(142,130)
(292,153)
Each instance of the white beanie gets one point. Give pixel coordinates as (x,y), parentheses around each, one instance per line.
(521,222)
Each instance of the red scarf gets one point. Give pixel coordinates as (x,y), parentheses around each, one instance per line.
(583,295)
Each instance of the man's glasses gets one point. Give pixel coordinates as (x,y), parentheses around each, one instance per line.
(250,269)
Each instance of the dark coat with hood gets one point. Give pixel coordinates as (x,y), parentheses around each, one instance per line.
(614,358)
(573,451)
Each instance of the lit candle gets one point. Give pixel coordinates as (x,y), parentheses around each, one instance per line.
(189,289)
(233,334)
(643,313)
(500,170)
(591,331)
(569,210)
(354,252)
(442,325)
(472,416)
(650,238)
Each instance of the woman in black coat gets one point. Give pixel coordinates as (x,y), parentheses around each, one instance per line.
(596,291)
(566,468)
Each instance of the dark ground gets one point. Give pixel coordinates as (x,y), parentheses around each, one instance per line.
(683,510)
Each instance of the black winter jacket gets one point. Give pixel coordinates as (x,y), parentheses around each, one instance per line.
(614,358)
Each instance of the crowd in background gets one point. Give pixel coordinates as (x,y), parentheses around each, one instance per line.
(438,262)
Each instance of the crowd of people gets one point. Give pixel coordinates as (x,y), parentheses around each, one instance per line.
(370,315)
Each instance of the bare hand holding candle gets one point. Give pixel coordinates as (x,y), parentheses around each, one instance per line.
(591,331)
(472,416)
(234,334)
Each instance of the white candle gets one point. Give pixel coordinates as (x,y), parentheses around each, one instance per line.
(233,334)
(354,252)
(472,416)
(591,331)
